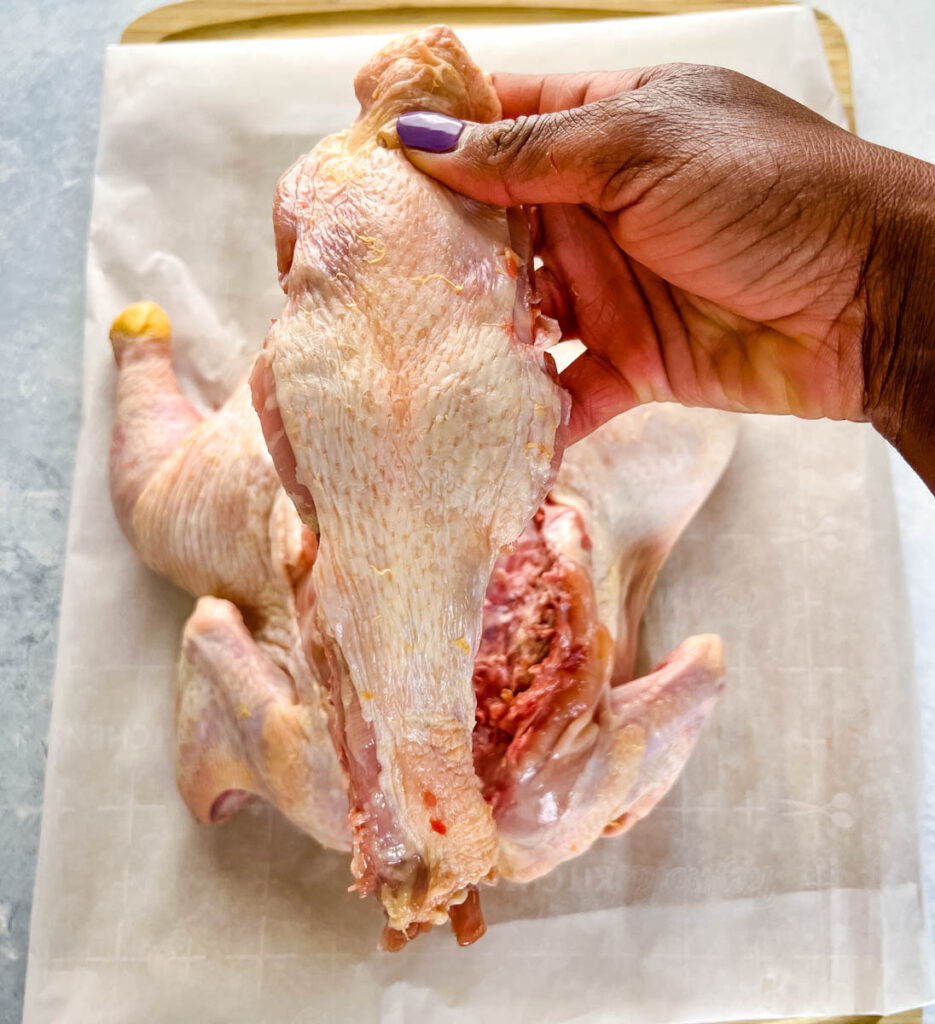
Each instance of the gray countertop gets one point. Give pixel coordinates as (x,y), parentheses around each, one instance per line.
(51,58)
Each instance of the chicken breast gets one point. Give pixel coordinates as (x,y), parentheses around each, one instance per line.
(416,421)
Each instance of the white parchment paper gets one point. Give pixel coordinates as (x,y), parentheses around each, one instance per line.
(780,877)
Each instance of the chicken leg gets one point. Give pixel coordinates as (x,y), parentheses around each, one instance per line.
(199,500)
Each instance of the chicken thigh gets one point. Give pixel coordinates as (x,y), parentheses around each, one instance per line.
(416,421)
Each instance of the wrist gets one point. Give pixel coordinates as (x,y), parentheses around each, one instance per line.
(898,338)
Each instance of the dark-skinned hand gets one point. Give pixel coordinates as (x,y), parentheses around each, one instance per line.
(713,242)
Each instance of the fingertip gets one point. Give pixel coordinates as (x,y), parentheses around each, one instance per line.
(518,94)
(554,301)
(461,164)
(598,394)
(425,131)
(582,421)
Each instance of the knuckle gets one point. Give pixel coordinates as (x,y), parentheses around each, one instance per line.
(521,149)
(623,152)
(510,139)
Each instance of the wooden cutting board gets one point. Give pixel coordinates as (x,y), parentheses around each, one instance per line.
(240,19)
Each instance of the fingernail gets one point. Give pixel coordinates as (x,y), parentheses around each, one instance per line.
(428,131)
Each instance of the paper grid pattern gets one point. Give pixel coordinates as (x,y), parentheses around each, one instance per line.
(780,877)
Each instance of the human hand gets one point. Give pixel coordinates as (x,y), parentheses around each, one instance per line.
(713,242)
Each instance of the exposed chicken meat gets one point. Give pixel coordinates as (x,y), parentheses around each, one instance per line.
(415,420)
(544,658)
(567,747)
(199,500)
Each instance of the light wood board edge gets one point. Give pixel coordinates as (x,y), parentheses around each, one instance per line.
(905,1017)
(238,19)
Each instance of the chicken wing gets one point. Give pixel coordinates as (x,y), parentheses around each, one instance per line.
(567,746)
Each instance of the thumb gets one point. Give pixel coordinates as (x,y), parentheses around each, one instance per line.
(569,156)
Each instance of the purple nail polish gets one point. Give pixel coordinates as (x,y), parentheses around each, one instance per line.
(428,131)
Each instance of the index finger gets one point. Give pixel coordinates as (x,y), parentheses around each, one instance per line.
(544,94)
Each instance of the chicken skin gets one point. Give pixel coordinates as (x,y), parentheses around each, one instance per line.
(416,421)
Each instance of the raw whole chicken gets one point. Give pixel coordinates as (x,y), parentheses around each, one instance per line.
(465,641)
(566,748)
(564,752)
